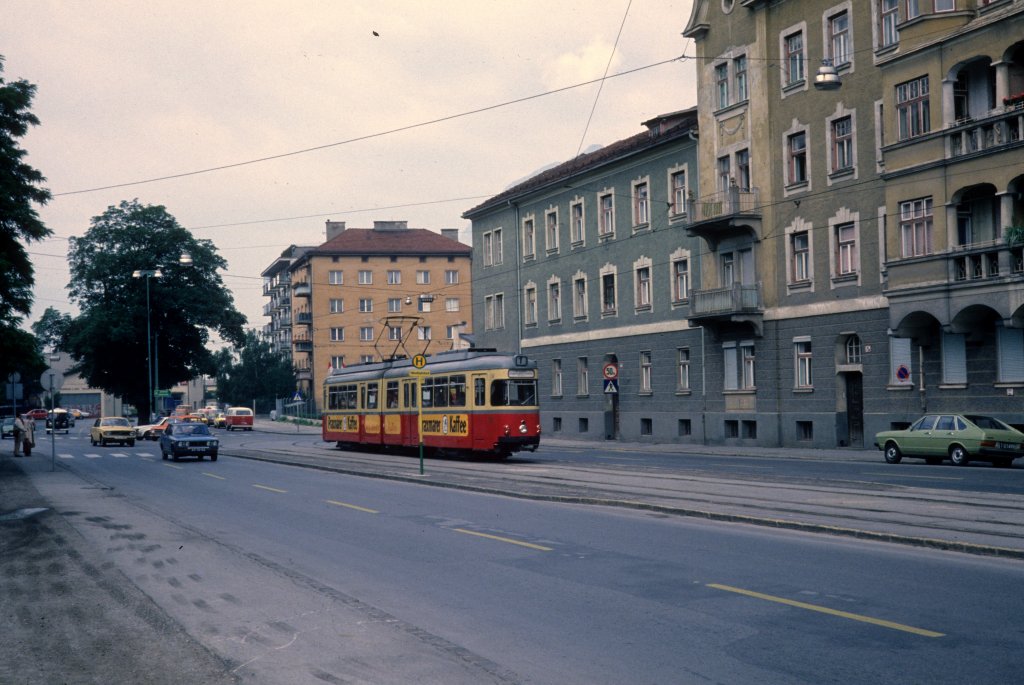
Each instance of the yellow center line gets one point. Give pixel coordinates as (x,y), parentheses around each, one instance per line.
(214,476)
(174,466)
(501,539)
(352,506)
(267,487)
(831,612)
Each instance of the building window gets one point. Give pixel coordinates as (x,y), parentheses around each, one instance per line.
(606,220)
(338,361)
(743,169)
(451,277)
(641,205)
(1010,353)
(794,55)
(366,333)
(682,369)
(450,331)
(723,168)
(846,249)
(424,303)
(945,5)
(365,278)
(556,424)
(579,299)
(853,350)
(496,248)
(678,193)
(642,286)
(739,68)
(888,17)
(608,299)
(394,305)
(842,144)
(554,301)
(805,431)
(365,304)
(576,222)
(646,426)
(722,84)
(488,249)
(394,332)
(683,427)
(802,357)
(337,305)
(801,256)
(336,277)
(916,227)
(551,231)
(839,38)
(646,372)
(422,278)
(394,277)
(423,332)
(796,150)
(582,377)
(912,114)
(499,310)
(680,279)
(556,377)
(913,9)
(451,304)
(529,239)
(530,299)
(738,369)
(338,334)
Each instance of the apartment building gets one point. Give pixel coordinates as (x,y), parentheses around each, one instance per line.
(277,287)
(586,267)
(854,271)
(372,293)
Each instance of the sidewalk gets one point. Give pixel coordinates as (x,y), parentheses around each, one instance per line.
(971,522)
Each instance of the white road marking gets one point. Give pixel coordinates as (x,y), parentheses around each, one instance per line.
(93,456)
(66,456)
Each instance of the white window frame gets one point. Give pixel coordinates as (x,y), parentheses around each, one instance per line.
(646,372)
(365,277)
(394,305)
(577,222)
(916,223)
(366,305)
(606,214)
(394,277)
(556,377)
(838,29)
(424,333)
(641,203)
(582,377)
(677,190)
(337,305)
(451,277)
(529,237)
(395,333)
(680,286)
(551,230)
(530,304)
(794,57)
(366,333)
(609,271)
(554,298)
(337,334)
(682,369)
(579,296)
(336,277)
(451,304)
(422,277)
(643,284)
(803,363)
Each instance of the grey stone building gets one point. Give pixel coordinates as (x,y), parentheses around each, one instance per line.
(587,267)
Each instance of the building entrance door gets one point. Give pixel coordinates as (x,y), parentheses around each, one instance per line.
(855,409)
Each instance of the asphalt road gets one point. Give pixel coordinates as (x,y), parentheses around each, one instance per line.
(292,575)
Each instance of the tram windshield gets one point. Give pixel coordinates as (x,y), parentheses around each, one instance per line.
(513,393)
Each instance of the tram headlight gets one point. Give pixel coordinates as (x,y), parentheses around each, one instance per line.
(508,431)
(522,427)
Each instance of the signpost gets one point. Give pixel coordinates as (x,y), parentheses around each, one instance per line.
(418,362)
(53,381)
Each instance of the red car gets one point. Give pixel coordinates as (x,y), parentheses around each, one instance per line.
(38,414)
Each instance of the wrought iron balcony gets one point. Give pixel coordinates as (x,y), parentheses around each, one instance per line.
(736,302)
(725,213)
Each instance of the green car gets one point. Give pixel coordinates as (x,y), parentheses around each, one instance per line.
(957,437)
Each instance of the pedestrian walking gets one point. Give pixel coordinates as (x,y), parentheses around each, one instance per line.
(19,435)
(28,440)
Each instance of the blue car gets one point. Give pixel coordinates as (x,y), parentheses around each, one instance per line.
(188,440)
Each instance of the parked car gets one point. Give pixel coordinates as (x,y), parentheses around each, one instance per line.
(188,439)
(153,431)
(60,420)
(7,427)
(957,437)
(38,414)
(220,420)
(112,429)
(238,418)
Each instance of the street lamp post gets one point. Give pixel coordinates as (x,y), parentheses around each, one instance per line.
(147,274)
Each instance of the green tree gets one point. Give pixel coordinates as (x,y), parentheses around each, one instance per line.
(19,191)
(108,340)
(52,329)
(260,374)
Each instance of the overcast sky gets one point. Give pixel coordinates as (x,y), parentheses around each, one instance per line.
(132,91)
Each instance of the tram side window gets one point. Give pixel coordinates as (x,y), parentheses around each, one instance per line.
(427,392)
(513,393)
(441,391)
(457,391)
(392,395)
(341,397)
(409,394)
(372,391)
(480,391)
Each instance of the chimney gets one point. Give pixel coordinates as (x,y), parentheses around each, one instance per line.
(452,233)
(390,225)
(334,228)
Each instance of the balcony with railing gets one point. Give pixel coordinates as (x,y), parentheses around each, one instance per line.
(727,212)
(733,303)
(304,318)
(302,289)
(996,129)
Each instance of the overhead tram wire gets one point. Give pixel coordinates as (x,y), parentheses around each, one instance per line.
(604,77)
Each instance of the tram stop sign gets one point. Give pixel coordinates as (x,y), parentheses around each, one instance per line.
(419,361)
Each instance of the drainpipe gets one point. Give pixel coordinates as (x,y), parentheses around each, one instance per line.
(519,280)
(703,392)
(921,389)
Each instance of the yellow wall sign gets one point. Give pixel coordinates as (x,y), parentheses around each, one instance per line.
(445,424)
(343,424)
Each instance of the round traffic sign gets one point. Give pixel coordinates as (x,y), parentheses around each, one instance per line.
(51,380)
(611,371)
(419,361)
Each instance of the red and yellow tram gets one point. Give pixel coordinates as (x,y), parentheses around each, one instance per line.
(476,401)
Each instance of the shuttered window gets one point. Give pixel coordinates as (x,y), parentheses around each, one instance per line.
(954,359)
(1011,355)
(901,371)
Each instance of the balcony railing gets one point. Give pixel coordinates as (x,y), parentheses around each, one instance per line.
(733,299)
(997,128)
(303,345)
(722,204)
(304,317)
(301,289)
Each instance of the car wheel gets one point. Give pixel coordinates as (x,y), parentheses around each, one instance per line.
(131,443)
(103,442)
(892,453)
(213,457)
(175,456)
(958,455)
(163,454)
(933,461)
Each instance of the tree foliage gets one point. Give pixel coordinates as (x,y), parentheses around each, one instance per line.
(260,374)
(51,329)
(186,302)
(20,190)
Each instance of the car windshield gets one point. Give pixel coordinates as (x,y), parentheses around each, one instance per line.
(987,422)
(115,422)
(191,429)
